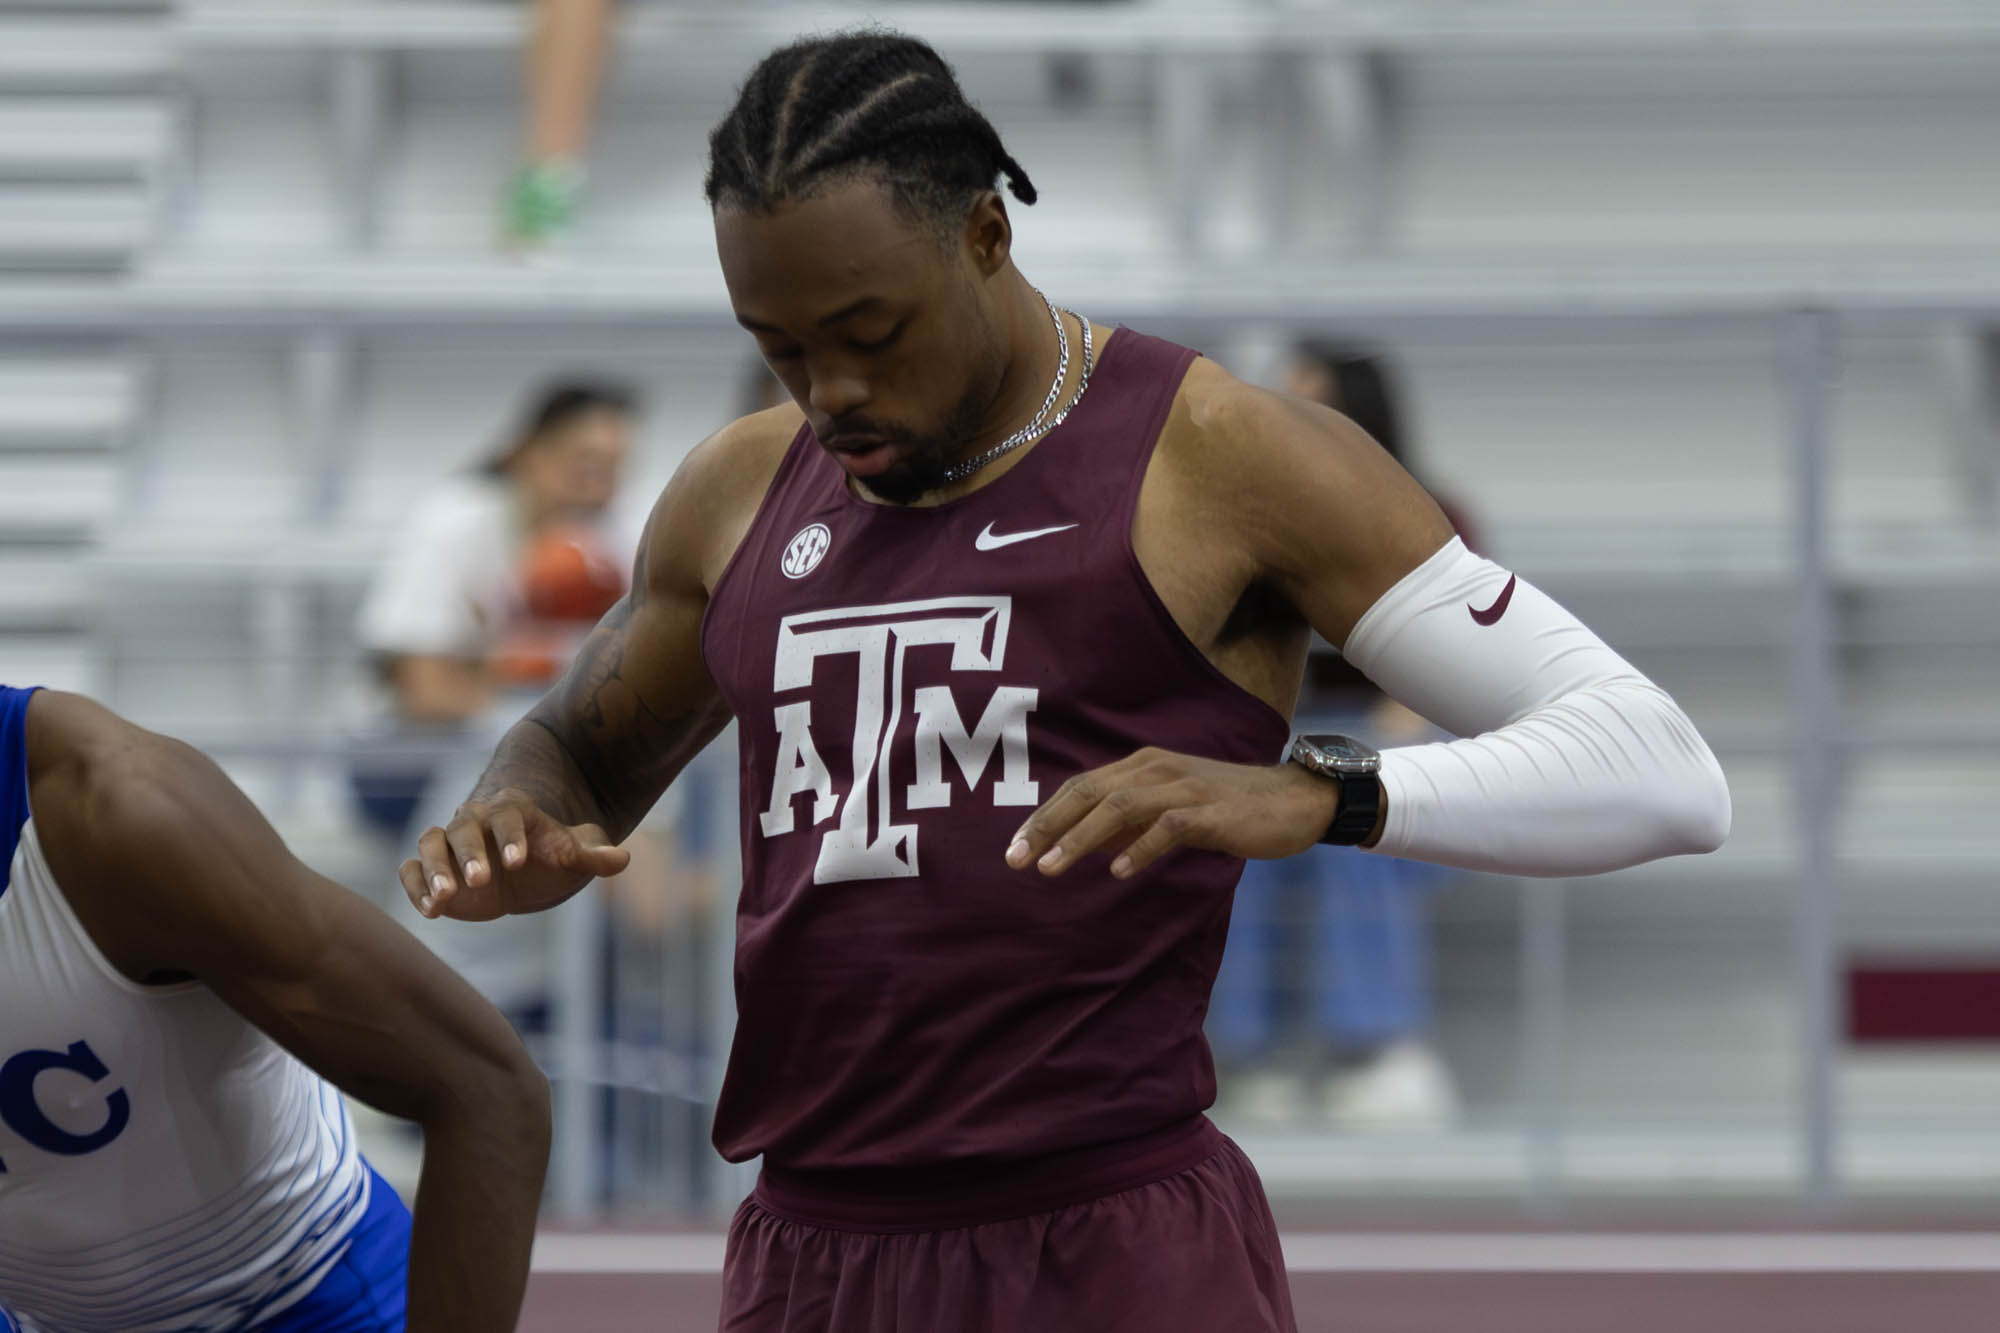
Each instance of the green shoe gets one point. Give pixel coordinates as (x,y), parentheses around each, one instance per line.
(541,204)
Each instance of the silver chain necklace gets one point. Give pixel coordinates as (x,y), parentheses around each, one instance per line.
(1043,423)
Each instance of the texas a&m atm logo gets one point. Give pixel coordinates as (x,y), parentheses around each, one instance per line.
(866,841)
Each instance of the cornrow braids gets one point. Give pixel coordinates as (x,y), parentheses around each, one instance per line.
(825,110)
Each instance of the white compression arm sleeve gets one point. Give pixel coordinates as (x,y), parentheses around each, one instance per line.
(1573,763)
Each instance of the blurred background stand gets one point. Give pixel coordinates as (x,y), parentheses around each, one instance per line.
(1695,298)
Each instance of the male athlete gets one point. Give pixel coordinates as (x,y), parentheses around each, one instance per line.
(1011,610)
(170,979)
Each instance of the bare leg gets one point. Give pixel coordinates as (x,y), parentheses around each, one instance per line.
(566,56)
(564,66)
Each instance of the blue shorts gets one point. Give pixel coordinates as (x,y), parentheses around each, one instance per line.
(365,1291)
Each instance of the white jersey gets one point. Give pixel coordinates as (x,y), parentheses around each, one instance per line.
(163,1164)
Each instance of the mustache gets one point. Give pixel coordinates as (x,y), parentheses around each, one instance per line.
(860,428)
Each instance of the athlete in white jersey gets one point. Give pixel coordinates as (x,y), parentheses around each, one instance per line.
(170,979)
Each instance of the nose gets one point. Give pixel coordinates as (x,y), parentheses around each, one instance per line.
(835,396)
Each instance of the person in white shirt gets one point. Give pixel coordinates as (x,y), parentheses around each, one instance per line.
(497,576)
(500,571)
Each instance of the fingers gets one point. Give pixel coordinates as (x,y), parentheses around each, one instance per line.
(510,835)
(1113,821)
(439,874)
(411,872)
(504,856)
(592,853)
(602,862)
(1182,824)
(455,858)
(469,847)
(1075,799)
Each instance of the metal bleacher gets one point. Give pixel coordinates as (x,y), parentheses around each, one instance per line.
(87,142)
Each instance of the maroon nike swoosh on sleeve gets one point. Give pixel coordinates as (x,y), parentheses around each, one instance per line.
(1499,607)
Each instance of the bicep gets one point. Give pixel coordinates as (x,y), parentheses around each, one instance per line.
(638,701)
(1334,520)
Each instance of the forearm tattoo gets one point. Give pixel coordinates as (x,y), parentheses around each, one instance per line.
(594,751)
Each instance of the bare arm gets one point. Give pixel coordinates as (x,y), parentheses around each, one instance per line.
(172,870)
(573,778)
(635,705)
(1572,762)
(1322,510)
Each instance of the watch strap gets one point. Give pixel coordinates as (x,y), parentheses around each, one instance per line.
(1360,807)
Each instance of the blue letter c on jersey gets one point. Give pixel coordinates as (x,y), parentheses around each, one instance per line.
(24,1115)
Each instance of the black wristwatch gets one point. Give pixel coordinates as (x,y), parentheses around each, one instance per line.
(1354,765)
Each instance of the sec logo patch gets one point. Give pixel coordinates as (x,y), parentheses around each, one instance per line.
(804,552)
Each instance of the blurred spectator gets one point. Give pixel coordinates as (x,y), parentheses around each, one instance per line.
(1363,1012)
(500,573)
(564,67)
(495,580)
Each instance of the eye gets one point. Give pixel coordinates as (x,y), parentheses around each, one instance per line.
(881,344)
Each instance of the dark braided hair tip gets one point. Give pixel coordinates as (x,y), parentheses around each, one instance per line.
(828,109)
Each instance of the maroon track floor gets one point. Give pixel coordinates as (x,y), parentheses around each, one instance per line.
(1431,1303)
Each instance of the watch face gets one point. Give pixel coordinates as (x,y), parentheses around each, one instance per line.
(1340,754)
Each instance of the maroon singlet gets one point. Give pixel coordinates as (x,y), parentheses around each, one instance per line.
(909,684)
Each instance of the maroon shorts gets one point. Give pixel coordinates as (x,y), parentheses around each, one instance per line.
(1171,1234)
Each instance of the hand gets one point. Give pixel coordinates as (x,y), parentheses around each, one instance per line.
(503,857)
(1156,800)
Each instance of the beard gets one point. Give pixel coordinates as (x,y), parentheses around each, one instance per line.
(911,479)
(925,457)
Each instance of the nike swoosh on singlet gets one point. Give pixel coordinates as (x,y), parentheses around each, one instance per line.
(1499,607)
(989,540)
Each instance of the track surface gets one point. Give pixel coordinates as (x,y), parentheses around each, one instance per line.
(1937,1282)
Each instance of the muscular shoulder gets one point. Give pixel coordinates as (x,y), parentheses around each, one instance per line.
(1306,498)
(708,506)
(83,759)
(1253,444)
(105,791)
(118,808)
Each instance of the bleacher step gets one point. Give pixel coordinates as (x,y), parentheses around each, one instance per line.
(44,138)
(42,588)
(62,8)
(47,499)
(47,404)
(61,660)
(67,244)
(77,54)
(72,227)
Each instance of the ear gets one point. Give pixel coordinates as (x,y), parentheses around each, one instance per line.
(989,235)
